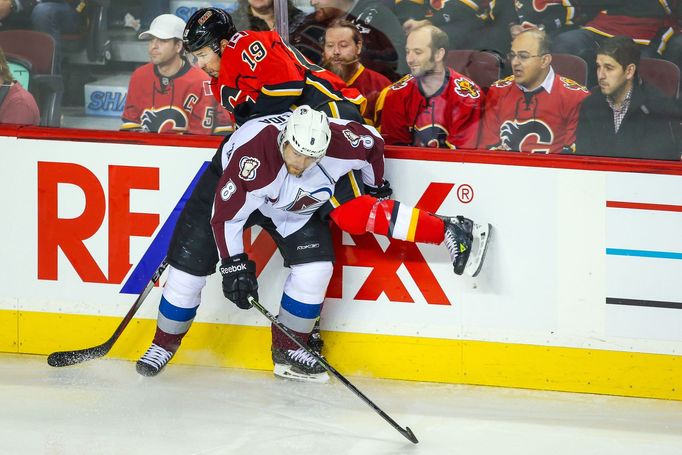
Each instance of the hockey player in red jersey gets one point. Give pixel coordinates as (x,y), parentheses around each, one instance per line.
(434,106)
(534,110)
(256,72)
(168,95)
(259,90)
(279,173)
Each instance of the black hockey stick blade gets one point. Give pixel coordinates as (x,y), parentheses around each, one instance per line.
(67,358)
(406,432)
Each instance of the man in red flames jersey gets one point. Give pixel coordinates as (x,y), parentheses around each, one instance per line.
(534,110)
(168,95)
(434,106)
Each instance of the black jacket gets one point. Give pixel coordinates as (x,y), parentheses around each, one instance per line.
(646,131)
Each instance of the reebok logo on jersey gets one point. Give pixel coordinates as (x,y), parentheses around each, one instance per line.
(233,269)
(247,168)
(228,190)
(308,246)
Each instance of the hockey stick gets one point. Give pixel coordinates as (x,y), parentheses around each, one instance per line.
(66,358)
(403,431)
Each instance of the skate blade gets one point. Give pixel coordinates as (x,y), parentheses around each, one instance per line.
(285,372)
(479,247)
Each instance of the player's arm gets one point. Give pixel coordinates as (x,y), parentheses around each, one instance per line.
(232,206)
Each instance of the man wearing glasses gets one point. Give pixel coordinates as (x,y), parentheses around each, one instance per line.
(533,110)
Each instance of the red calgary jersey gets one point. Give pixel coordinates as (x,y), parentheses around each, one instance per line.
(182,103)
(370,84)
(537,122)
(260,75)
(447,119)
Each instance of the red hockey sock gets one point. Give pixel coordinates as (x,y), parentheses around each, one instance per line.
(390,218)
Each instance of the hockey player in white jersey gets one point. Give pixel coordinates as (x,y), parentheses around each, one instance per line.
(279,171)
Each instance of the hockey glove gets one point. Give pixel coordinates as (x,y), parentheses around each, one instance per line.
(381,192)
(239,280)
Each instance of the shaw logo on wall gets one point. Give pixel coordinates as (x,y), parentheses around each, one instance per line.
(69,236)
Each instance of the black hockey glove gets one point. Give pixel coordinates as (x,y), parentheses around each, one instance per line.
(239,279)
(381,192)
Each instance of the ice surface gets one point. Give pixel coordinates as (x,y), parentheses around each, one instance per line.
(105,407)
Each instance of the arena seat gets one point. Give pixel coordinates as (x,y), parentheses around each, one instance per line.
(662,74)
(570,66)
(481,66)
(47,87)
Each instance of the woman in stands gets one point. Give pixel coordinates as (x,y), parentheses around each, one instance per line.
(16,104)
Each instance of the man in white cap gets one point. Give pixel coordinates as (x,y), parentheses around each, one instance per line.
(168,95)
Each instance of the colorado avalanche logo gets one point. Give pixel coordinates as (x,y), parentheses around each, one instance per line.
(154,121)
(306,202)
(355,140)
(247,168)
(430,136)
(464,88)
(526,136)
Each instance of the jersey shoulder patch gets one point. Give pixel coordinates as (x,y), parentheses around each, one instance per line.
(466,88)
(506,82)
(572,85)
(401,83)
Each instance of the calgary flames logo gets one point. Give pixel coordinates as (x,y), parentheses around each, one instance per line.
(430,136)
(527,136)
(154,121)
(464,87)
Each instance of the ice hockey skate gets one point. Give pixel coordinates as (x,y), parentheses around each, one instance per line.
(153,361)
(299,365)
(467,243)
(315,341)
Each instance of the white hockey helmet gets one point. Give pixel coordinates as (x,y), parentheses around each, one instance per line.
(308,132)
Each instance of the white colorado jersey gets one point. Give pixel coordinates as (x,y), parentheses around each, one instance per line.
(255,177)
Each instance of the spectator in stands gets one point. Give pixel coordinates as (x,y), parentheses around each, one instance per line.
(383,39)
(17,105)
(53,17)
(434,106)
(533,110)
(641,20)
(627,117)
(259,15)
(168,95)
(342,49)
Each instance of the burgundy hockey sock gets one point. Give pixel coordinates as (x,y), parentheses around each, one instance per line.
(169,342)
(281,341)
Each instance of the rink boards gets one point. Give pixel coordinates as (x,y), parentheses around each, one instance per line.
(581,289)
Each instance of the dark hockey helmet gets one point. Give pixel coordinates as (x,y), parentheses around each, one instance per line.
(207,27)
